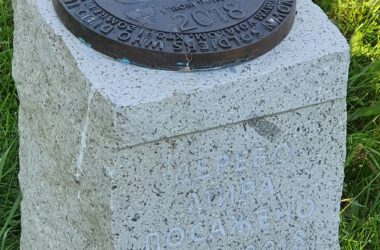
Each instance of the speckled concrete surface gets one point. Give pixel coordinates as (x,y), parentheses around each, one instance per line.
(275,180)
(115,156)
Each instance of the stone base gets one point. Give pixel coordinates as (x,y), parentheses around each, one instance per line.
(115,156)
(273,181)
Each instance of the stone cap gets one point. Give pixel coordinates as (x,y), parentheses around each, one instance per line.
(309,67)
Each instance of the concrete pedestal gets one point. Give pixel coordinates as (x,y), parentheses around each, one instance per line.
(115,156)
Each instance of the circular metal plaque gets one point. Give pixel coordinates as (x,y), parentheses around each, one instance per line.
(179,34)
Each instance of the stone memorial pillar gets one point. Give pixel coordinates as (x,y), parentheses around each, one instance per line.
(117,156)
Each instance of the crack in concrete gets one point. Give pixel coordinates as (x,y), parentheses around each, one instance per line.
(83,138)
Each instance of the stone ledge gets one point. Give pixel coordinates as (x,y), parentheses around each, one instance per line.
(308,67)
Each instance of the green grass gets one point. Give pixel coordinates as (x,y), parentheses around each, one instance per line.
(359,21)
(9,189)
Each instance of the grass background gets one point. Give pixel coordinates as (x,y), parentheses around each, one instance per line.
(359,21)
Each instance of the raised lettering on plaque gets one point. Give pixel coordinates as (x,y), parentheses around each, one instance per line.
(179,34)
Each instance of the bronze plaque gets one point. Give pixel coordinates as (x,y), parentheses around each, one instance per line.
(179,34)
